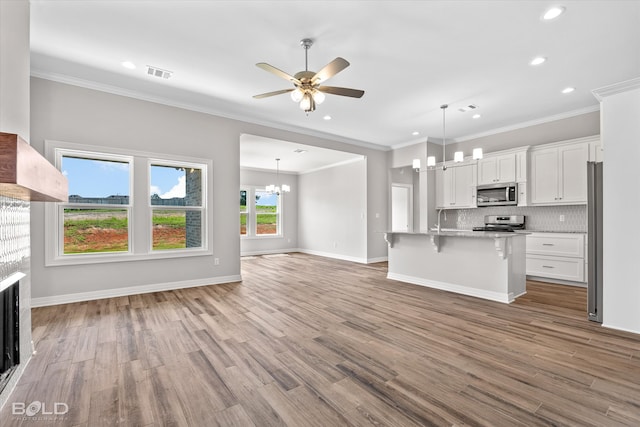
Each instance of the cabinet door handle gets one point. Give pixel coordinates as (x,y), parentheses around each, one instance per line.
(547,244)
(548,266)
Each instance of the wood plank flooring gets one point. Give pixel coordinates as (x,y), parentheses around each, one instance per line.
(310,341)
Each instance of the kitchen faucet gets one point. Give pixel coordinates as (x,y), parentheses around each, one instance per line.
(439,212)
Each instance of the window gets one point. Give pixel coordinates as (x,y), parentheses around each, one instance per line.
(267,213)
(176,214)
(96,218)
(261,216)
(243,212)
(106,220)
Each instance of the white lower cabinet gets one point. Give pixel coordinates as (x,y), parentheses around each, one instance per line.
(557,256)
(556,267)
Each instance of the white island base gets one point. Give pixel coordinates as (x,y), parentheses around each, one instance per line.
(480,264)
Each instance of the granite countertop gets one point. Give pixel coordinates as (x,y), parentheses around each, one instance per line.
(454,232)
(550,231)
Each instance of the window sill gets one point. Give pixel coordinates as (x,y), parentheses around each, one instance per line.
(124,257)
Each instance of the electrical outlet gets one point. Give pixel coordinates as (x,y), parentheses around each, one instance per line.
(561,218)
(216,261)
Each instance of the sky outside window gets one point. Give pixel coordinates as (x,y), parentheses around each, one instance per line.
(168,181)
(96,178)
(103,178)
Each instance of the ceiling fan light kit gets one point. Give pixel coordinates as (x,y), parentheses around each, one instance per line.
(307,91)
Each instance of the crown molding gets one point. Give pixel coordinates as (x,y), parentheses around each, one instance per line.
(529,123)
(616,88)
(409,143)
(333,165)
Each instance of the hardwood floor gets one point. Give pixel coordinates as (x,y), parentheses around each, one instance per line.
(310,341)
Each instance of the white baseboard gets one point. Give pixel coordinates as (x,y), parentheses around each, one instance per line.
(133,290)
(317,253)
(334,256)
(270,252)
(618,328)
(450,287)
(557,281)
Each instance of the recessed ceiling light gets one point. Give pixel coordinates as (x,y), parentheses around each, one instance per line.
(538,60)
(476,116)
(553,13)
(128,64)
(327,117)
(299,151)
(568,89)
(415,133)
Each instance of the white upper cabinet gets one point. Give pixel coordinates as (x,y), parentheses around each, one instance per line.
(559,174)
(497,169)
(456,187)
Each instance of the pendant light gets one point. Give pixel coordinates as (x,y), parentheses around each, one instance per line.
(275,188)
(458,156)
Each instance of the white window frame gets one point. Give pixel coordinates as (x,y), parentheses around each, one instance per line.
(252,216)
(140,215)
(201,208)
(90,155)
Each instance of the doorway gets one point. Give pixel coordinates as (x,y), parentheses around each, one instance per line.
(401,207)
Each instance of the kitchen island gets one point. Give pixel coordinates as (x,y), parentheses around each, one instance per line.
(483,264)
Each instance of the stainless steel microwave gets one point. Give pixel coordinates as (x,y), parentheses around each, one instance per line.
(497,194)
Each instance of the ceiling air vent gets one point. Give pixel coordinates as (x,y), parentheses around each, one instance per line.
(158,72)
(468,108)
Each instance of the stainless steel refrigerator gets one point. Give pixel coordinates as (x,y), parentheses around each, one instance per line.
(594,241)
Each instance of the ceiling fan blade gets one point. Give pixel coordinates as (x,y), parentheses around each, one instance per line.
(330,70)
(343,91)
(277,72)
(277,92)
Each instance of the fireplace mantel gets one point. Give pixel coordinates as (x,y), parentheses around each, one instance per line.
(26,175)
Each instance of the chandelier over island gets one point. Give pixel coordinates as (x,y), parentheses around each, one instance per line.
(458,156)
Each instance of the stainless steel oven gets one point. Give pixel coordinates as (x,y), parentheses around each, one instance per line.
(497,194)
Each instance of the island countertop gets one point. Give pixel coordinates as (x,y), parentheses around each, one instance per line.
(455,232)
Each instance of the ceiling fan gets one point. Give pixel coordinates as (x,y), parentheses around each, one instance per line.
(307,90)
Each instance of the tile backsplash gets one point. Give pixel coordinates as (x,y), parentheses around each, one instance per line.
(537,218)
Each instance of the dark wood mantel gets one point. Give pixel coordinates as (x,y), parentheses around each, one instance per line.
(26,175)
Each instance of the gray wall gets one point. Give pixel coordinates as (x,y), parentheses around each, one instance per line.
(332,208)
(74,114)
(289,239)
(558,130)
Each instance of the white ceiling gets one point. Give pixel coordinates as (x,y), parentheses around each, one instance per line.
(408,56)
(257,152)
